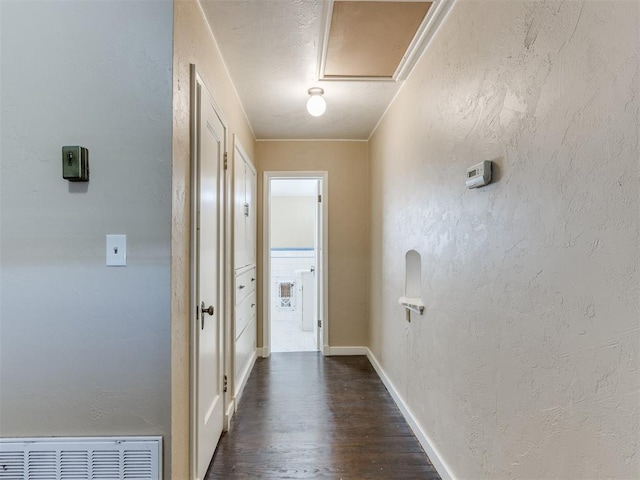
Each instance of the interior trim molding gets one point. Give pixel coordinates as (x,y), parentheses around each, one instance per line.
(244,377)
(322,268)
(344,351)
(427,444)
(365,140)
(418,45)
(228,415)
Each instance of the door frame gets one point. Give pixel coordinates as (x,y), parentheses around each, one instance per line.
(323,176)
(197,82)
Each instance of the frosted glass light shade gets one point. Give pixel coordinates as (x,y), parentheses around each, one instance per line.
(316,104)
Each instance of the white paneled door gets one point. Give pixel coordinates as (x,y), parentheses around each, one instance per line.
(209,358)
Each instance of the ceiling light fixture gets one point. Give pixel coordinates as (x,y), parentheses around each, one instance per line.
(316,104)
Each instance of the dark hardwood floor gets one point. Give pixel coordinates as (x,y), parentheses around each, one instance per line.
(303,415)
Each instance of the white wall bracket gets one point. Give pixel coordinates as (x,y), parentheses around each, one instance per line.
(414,305)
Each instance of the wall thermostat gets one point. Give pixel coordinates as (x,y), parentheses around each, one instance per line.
(479,175)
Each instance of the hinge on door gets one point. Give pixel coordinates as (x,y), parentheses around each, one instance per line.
(319,323)
(225,160)
(319,198)
(226,383)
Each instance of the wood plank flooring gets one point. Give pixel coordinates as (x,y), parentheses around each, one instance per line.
(306,416)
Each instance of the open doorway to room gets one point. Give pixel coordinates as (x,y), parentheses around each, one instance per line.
(294,255)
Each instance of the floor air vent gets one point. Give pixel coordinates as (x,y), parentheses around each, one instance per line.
(75,458)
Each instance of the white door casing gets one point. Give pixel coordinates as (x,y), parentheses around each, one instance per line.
(322,252)
(208,147)
(319,270)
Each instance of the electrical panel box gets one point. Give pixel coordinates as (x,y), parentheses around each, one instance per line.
(479,175)
(75,164)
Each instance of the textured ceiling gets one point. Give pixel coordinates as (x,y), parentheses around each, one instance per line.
(271,48)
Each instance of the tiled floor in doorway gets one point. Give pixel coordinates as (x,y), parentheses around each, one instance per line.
(287,334)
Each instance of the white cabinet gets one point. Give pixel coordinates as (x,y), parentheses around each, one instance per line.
(245,214)
(244,264)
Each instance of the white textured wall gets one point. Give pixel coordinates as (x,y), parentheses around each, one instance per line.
(525,364)
(85,349)
(293,222)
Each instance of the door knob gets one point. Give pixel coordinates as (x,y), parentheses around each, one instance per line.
(204,310)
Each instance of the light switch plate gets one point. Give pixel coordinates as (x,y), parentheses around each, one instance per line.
(116,250)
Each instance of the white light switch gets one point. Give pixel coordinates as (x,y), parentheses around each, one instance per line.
(116,250)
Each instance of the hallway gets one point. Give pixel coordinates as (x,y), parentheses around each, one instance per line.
(303,415)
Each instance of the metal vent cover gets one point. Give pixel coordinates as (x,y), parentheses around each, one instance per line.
(81,458)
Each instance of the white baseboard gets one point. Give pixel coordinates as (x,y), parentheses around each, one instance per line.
(244,376)
(336,351)
(263,352)
(231,409)
(420,434)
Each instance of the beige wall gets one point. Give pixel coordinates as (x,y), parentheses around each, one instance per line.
(525,364)
(193,43)
(347,167)
(293,222)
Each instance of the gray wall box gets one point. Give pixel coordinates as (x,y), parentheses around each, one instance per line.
(75,164)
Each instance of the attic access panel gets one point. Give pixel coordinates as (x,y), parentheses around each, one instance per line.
(371,39)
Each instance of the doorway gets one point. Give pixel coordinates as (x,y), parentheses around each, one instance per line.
(209,132)
(295,262)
